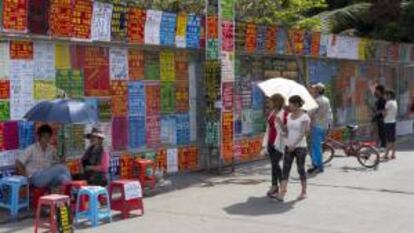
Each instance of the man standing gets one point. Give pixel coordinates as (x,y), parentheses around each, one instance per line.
(321,121)
(379,114)
(39,162)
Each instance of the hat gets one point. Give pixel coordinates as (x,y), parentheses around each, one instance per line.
(95,132)
(319,85)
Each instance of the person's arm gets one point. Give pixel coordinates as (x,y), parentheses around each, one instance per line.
(386,109)
(306,127)
(21,163)
(103,165)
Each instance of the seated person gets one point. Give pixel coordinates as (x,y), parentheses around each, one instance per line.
(95,161)
(40,162)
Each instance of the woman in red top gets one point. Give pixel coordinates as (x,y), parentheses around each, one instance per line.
(272,140)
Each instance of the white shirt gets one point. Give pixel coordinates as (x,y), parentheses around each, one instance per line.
(36,159)
(391,110)
(296,129)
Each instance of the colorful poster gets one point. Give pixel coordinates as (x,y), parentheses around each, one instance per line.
(61,18)
(136,98)
(63,82)
(96,71)
(167,66)
(167,28)
(4,89)
(227,66)
(182,125)
(11,135)
(4,60)
(181,97)
(44,90)
(77,84)
(118,60)
(261,39)
(181,66)
(307,43)
(44,60)
(152,65)
(193,31)
(324,42)
(74,140)
(271,40)
(153,136)
(227,30)
(62,56)
(316,42)
(180,37)
(82,18)
(21,50)
(104,109)
(137,132)
(119,91)
(119,20)
(298,42)
(332,46)
(347,47)
(212,74)
(168,130)
(136,64)
(282,40)
(92,103)
(251,38)
(119,133)
(39,16)
(227,96)
(227,130)
(15,15)
(21,88)
(172,160)
(240,37)
(4,110)
(101,21)
(227,9)
(203,34)
(26,134)
(167,97)
(152,27)
(136,25)
(212,49)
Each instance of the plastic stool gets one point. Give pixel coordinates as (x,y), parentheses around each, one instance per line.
(71,189)
(12,201)
(93,213)
(125,203)
(53,201)
(144,178)
(35,195)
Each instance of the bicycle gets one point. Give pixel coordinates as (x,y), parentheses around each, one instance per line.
(367,155)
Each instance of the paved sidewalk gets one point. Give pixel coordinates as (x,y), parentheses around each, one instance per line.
(345,199)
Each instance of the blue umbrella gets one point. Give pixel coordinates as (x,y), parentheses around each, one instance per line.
(63,111)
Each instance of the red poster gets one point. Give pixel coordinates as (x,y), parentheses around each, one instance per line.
(251,38)
(15,15)
(212,27)
(96,71)
(136,64)
(255,146)
(119,92)
(153,139)
(82,18)
(181,66)
(181,96)
(21,49)
(1,136)
(153,99)
(203,33)
(271,40)
(227,30)
(4,89)
(316,43)
(61,18)
(77,53)
(227,130)
(39,16)
(227,95)
(136,25)
(298,40)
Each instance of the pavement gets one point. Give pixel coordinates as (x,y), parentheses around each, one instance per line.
(346,198)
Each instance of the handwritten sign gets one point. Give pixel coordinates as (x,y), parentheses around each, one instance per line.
(101,21)
(119,133)
(136,25)
(132,190)
(118,63)
(167,66)
(77,84)
(227,30)
(271,40)
(4,60)
(153,98)
(44,59)
(153,136)
(44,90)
(251,42)
(152,27)
(167,28)
(21,88)
(261,39)
(96,71)
(212,87)
(172,160)
(227,129)
(227,95)
(119,20)
(4,110)
(136,98)
(62,56)
(61,18)
(298,41)
(63,82)
(21,50)
(182,124)
(181,96)
(82,18)
(26,134)
(167,97)
(180,38)
(104,109)
(137,132)
(15,15)
(4,89)
(38,21)
(181,66)
(136,64)
(227,66)
(119,90)
(152,65)
(193,31)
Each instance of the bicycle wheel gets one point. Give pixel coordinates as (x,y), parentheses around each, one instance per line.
(327,153)
(368,156)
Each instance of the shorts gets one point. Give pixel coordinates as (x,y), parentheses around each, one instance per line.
(390,131)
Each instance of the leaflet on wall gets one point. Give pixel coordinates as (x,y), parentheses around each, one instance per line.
(137,132)
(82,18)
(172,160)
(167,29)
(261,39)
(227,36)
(136,25)
(119,134)
(44,59)
(4,110)
(101,21)
(62,56)
(180,37)
(152,65)
(119,20)
(118,60)
(136,64)
(15,15)
(96,71)
(136,98)
(270,42)
(61,18)
(167,66)
(251,35)
(21,50)
(227,66)
(21,86)
(119,91)
(347,47)
(167,97)
(4,60)
(152,27)
(44,90)
(4,89)
(193,31)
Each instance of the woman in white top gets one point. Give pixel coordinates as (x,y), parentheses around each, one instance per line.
(272,141)
(297,127)
(390,120)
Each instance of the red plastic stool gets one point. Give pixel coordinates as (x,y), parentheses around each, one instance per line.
(126,203)
(53,201)
(36,194)
(145,179)
(70,189)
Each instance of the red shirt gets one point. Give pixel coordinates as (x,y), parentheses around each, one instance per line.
(272,129)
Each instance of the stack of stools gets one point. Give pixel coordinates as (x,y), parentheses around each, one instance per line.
(15,194)
(53,202)
(94,213)
(144,178)
(71,189)
(130,197)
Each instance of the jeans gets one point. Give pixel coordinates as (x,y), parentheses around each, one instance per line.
(300,155)
(51,177)
(317,137)
(275,157)
(381,133)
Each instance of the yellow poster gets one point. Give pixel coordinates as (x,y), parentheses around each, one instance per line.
(362,48)
(44,90)
(180,37)
(62,56)
(167,66)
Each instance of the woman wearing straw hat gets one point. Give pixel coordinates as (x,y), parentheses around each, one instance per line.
(95,161)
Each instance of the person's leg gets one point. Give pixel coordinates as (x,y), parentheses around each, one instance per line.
(300,154)
(314,148)
(388,135)
(275,157)
(287,166)
(393,129)
(319,136)
(51,177)
(381,132)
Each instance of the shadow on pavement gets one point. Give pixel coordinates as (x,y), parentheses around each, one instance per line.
(256,206)
(392,191)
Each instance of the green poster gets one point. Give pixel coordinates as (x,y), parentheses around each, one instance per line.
(227,9)
(167,97)
(63,81)
(152,66)
(77,87)
(4,110)
(104,109)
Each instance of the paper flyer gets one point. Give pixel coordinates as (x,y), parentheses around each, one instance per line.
(136,25)
(180,38)
(152,27)
(118,60)
(44,61)
(101,21)
(60,20)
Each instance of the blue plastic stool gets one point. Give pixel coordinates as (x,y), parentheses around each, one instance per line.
(12,201)
(93,213)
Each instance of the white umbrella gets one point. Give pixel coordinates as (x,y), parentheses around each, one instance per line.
(288,88)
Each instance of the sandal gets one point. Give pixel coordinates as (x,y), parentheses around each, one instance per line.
(302,196)
(272,192)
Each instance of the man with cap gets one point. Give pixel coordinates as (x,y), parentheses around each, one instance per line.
(321,121)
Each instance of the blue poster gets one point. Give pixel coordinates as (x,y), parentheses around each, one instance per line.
(182,122)
(261,39)
(26,134)
(193,31)
(136,132)
(136,98)
(168,130)
(307,44)
(92,103)
(281,41)
(257,97)
(167,28)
